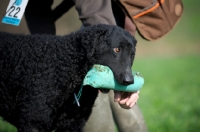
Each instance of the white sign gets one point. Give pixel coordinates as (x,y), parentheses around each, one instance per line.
(14,12)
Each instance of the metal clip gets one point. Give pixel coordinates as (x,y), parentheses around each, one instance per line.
(76,99)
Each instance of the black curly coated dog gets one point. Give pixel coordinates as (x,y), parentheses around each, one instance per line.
(39,75)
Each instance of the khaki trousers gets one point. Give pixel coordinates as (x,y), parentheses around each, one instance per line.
(107,113)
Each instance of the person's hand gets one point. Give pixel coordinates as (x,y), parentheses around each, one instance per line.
(126,99)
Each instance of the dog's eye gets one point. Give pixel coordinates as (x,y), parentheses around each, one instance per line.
(117,50)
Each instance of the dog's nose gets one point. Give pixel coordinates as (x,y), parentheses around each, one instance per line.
(128,80)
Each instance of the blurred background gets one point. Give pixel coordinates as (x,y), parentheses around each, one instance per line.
(170,98)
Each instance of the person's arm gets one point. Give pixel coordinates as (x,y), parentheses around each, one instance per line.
(93,12)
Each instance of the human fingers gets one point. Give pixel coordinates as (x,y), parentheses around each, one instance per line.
(129,101)
(132,98)
(133,103)
(125,106)
(124,98)
(117,96)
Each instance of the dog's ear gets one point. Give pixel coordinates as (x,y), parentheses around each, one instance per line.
(95,38)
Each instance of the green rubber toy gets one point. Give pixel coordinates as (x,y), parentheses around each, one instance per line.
(100,76)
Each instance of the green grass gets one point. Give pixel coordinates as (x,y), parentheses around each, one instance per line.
(169,99)
(6,127)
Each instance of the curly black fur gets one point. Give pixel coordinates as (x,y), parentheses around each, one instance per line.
(40,73)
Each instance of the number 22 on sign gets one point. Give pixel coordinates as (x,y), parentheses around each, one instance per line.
(14,12)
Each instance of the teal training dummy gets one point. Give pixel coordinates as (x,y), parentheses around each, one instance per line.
(100,76)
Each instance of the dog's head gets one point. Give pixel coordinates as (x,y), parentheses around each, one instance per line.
(114,47)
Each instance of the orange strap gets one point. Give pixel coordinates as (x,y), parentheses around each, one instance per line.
(149,10)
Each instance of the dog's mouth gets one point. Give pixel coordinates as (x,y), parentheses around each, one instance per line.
(105,91)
